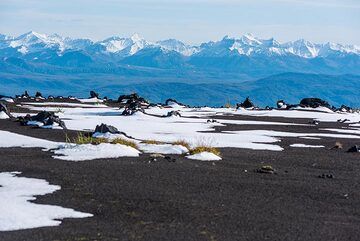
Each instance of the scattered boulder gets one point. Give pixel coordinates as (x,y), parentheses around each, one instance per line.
(266,170)
(4,109)
(93,94)
(212,121)
(326,176)
(314,103)
(45,118)
(246,104)
(281,104)
(173,113)
(133,102)
(128,112)
(39,95)
(344,108)
(314,122)
(355,148)
(343,120)
(103,128)
(24,96)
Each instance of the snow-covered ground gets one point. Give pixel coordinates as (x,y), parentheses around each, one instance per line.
(18,212)
(194,128)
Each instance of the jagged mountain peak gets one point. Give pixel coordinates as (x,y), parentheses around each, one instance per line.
(248,45)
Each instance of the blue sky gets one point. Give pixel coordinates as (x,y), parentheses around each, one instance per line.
(191,21)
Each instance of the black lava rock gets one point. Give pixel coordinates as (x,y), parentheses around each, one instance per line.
(3,108)
(103,128)
(45,117)
(246,104)
(355,148)
(173,113)
(93,94)
(314,103)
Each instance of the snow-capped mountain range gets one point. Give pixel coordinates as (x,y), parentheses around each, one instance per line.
(247,45)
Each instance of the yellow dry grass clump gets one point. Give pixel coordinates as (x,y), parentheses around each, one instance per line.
(182,143)
(200,149)
(81,139)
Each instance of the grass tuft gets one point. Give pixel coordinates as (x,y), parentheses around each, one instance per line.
(200,149)
(125,142)
(182,143)
(83,139)
(153,142)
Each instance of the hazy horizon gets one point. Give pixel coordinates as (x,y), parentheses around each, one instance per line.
(193,22)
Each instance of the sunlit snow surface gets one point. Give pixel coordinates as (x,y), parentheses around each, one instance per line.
(205,156)
(3,115)
(194,128)
(18,212)
(9,139)
(90,152)
(306,146)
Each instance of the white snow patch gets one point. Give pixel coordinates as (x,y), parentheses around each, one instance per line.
(317,115)
(204,156)
(3,115)
(7,99)
(16,210)
(85,152)
(91,100)
(306,146)
(163,148)
(9,139)
(27,104)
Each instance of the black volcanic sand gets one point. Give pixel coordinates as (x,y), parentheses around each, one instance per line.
(134,199)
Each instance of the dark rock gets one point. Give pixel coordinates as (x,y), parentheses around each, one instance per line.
(326,176)
(173,113)
(281,104)
(343,121)
(266,170)
(103,128)
(345,108)
(38,95)
(246,104)
(93,94)
(50,97)
(314,103)
(3,108)
(314,122)
(212,121)
(133,102)
(355,148)
(45,117)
